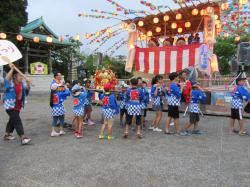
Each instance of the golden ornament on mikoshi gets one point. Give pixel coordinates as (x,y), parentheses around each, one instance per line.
(237,38)
(105,76)
(203,12)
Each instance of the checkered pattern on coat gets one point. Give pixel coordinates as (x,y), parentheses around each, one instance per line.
(108,113)
(156,101)
(9,104)
(122,105)
(236,103)
(79,112)
(58,111)
(194,107)
(134,110)
(173,101)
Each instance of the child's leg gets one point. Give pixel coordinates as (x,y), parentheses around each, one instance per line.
(103,126)
(187,125)
(77,124)
(167,124)
(61,119)
(54,123)
(110,124)
(128,123)
(196,126)
(231,127)
(138,124)
(89,113)
(176,125)
(80,129)
(241,124)
(159,118)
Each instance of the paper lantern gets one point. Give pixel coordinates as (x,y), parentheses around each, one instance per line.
(156,20)
(36,39)
(224,6)
(3,35)
(209,9)
(218,26)
(180,30)
(243,2)
(237,38)
(203,12)
(188,24)
(77,37)
(166,18)
(97,34)
(158,29)
(226,35)
(173,25)
(195,12)
(87,36)
(19,37)
(149,33)
(178,16)
(217,22)
(49,39)
(216,17)
(140,23)
(214,64)
(109,30)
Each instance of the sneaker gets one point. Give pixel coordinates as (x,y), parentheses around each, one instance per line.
(84,123)
(151,128)
(157,129)
(54,134)
(110,137)
(75,134)
(25,140)
(90,123)
(101,136)
(8,137)
(125,136)
(184,133)
(62,132)
(79,136)
(199,132)
(139,136)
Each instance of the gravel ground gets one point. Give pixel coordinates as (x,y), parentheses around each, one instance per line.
(213,159)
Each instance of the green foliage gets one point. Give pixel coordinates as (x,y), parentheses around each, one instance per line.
(225,49)
(13,15)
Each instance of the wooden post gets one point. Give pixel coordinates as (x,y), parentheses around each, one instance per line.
(26,59)
(49,61)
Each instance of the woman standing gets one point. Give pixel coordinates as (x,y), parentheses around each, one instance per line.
(14,99)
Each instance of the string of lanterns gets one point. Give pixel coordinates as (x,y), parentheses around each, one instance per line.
(115,45)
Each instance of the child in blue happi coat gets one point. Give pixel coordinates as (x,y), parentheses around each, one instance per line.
(109,110)
(134,98)
(59,94)
(197,96)
(79,98)
(145,103)
(157,92)
(122,98)
(88,104)
(239,94)
(173,98)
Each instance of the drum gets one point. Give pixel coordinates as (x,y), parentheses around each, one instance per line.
(247,108)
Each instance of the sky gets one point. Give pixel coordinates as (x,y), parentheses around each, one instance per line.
(62,17)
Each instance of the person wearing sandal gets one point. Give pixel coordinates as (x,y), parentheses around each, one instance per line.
(15,94)
(239,94)
(134,98)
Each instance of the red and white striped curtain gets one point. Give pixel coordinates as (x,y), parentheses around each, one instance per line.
(164,60)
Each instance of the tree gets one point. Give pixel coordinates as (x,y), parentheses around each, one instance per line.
(13,15)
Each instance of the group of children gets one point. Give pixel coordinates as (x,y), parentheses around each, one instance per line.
(133,104)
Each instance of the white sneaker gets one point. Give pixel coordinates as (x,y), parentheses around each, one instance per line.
(151,128)
(157,129)
(62,132)
(25,141)
(54,134)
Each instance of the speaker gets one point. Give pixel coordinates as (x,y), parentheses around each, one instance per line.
(244,54)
